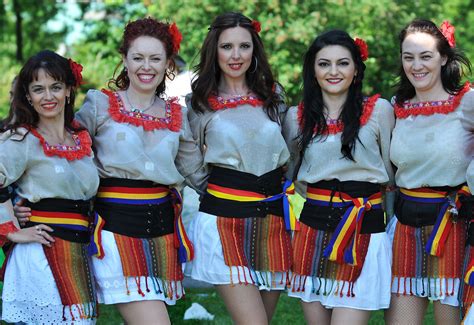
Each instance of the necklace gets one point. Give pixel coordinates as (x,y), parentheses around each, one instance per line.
(138,110)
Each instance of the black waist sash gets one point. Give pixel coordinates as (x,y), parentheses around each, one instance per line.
(49,210)
(232,181)
(328,217)
(140,219)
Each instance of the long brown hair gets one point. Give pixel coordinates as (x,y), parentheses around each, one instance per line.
(22,113)
(451,72)
(259,76)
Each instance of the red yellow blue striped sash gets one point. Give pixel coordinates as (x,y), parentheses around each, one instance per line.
(446,216)
(153,195)
(131,195)
(227,193)
(345,234)
(75,222)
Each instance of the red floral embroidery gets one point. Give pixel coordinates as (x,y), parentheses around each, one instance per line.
(176,37)
(257,26)
(171,121)
(363,48)
(80,150)
(448,31)
(430,108)
(5,229)
(76,71)
(218,103)
(369,104)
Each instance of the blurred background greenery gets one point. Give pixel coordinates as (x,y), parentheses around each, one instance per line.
(89,32)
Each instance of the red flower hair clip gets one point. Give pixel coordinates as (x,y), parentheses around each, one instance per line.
(76,71)
(363,48)
(257,26)
(176,37)
(448,32)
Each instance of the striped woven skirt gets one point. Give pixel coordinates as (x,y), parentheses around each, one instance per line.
(338,283)
(415,270)
(241,242)
(139,240)
(32,293)
(44,285)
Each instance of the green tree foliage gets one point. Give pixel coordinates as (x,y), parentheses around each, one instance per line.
(288,28)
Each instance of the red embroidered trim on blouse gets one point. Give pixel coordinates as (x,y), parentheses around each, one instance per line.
(333,128)
(430,108)
(5,229)
(218,103)
(80,150)
(171,121)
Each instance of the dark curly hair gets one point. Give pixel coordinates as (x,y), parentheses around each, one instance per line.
(259,78)
(451,73)
(144,27)
(313,113)
(22,113)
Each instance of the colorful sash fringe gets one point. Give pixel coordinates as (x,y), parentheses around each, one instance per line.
(154,258)
(154,195)
(260,244)
(69,264)
(350,225)
(411,262)
(308,260)
(467,287)
(227,193)
(447,215)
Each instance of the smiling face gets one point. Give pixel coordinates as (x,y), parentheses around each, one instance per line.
(334,69)
(48,96)
(146,63)
(234,52)
(422,62)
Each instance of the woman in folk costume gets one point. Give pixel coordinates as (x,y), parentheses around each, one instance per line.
(144,148)
(242,232)
(340,142)
(432,146)
(47,277)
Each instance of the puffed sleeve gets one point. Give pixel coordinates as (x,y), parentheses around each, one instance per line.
(290,134)
(197,123)
(89,115)
(13,156)
(13,163)
(189,160)
(467,111)
(386,123)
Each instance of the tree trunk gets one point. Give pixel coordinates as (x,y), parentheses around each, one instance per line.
(18,31)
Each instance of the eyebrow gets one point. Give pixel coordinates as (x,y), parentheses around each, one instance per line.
(424,52)
(324,59)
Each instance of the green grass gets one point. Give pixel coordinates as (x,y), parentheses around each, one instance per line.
(288,311)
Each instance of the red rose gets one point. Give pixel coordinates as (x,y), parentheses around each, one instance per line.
(76,71)
(448,31)
(257,26)
(176,37)
(363,48)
